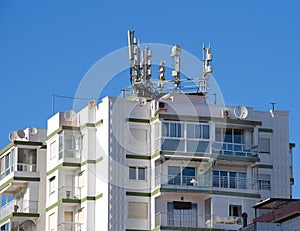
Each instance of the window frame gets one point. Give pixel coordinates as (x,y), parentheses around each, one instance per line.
(136,174)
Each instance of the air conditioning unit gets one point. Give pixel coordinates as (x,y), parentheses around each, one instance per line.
(161,105)
(225,113)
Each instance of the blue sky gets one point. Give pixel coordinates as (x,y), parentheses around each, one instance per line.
(47,47)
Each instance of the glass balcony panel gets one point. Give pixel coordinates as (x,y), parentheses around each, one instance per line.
(69,193)
(172,145)
(69,226)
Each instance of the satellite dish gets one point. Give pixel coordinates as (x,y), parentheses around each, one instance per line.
(33,131)
(70,115)
(21,133)
(142,101)
(240,112)
(13,136)
(28,225)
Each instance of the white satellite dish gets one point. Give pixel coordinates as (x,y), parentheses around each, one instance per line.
(21,133)
(70,115)
(13,136)
(33,131)
(28,225)
(142,101)
(240,112)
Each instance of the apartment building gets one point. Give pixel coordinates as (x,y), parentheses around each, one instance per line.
(22,181)
(158,159)
(170,164)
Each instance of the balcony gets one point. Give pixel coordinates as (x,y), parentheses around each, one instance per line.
(69,226)
(186,221)
(234,149)
(205,183)
(18,206)
(69,193)
(219,150)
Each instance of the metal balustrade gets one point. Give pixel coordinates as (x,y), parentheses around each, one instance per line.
(194,220)
(206,182)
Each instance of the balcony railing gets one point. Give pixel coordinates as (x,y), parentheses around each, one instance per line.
(195,220)
(69,226)
(234,149)
(19,206)
(69,193)
(23,167)
(206,182)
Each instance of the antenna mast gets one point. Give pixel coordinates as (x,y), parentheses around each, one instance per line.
(176,52)
(140,70)
(207,68)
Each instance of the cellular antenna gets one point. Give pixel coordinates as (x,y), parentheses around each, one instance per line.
(140,68)
(207,68)
(176,52)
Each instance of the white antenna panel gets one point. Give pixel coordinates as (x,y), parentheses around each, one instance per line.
(176,51)
(240,112)
(13,136)
(21,133)
(70,115)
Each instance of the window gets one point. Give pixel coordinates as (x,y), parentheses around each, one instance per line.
(198,131)
(182,216)
(51,222)
(264,182)
(27,159)
(81,179)
(172,129)
(69,145)
(185,137)
(68,217)
(138,135)
(224,179)
(264,145)
(229,135)
(181,176)
(235,210)
(80,217)
(138,210)
(5,227)
(137,173)
(52,185)
(52,150)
